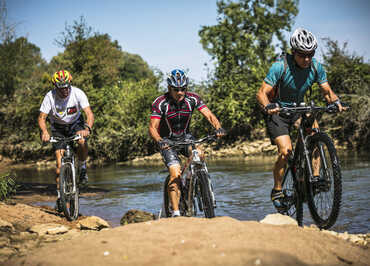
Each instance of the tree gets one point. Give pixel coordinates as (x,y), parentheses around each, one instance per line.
(347,73)
(95,60)
(349,76)
(242,46)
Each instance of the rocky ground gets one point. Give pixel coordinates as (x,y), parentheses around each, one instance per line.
(40,236)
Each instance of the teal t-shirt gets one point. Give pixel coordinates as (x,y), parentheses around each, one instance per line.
(296,80)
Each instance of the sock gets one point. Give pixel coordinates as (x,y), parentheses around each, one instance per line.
(176,213)
(58,193)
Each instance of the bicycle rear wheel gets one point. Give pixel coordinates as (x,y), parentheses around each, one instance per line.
(168,209)
(205,193)
(292,199)
(324,192)
(68,192)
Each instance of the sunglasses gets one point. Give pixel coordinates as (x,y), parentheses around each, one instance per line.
(304,55)
(178,89)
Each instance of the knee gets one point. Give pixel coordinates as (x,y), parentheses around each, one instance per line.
(174,184)
(284,153)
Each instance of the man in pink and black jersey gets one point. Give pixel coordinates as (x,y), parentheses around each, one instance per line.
(170,120)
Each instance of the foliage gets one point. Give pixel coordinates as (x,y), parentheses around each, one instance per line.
(242,46)
(20,62)
(121,126)
(349,77)
(347,73)
(96,61)
(7,186)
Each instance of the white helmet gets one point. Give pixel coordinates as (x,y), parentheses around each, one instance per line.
(303,40)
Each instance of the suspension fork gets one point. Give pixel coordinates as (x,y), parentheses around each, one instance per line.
(306,154)
(323,161)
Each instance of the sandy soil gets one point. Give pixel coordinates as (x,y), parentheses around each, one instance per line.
(194,241)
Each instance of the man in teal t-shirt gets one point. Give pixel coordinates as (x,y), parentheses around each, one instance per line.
(301,72)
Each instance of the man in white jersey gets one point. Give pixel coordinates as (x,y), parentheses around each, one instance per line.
(63,105)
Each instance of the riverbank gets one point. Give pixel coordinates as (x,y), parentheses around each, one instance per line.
(39,236)
(242,150)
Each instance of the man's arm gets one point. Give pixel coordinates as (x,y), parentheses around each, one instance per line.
(89,122)
(89,116)
(42,124)
(212,119)
(329,95)
(153,129)
(262,97)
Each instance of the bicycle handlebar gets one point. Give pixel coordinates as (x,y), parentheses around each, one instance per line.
(59,139)
(331,108)
(173,143)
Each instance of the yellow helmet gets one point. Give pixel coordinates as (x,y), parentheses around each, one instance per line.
(61,79)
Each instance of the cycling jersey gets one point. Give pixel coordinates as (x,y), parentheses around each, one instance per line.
(296,80)
(175,117)
(64,110)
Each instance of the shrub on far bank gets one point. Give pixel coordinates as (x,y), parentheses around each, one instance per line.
(7,186)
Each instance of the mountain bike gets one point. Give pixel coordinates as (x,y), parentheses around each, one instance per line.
(196,185)
(314,152)
(68,188)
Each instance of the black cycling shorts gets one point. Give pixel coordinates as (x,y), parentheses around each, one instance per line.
(279,125)
(66,130)
(171,156)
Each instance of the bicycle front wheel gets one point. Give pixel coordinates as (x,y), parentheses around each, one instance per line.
(292,200)
(324,191)
(68,192)
(206,194)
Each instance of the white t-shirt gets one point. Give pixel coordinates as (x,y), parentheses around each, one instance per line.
(67,110)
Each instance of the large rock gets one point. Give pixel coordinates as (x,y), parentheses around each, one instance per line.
(93,223)
(6,226)
(278,219)
(136,216)
(49,229)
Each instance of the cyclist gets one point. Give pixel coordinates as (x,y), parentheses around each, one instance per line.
(170,120)
(286,84)
(63,105)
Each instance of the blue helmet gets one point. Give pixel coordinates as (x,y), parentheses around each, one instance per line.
(177,79)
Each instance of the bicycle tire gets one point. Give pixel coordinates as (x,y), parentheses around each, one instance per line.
(69,199)
(331,179)
(293,199)
(203,182)
(167,202)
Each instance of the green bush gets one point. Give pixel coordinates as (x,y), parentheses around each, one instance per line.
(7,186)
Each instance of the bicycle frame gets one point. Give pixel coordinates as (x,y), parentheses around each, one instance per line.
(301,145)
(68,156)
(195,182)
(189,174)
(312,151)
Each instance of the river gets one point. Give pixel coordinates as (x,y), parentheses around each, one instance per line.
(242,189)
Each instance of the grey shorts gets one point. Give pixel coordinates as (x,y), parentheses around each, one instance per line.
(63,131)
(171,156)
(279,125)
